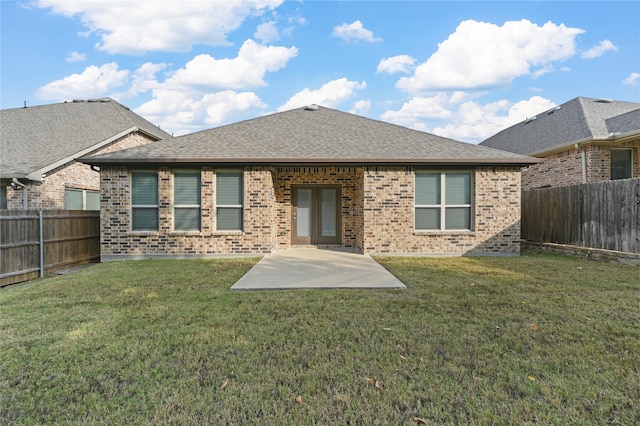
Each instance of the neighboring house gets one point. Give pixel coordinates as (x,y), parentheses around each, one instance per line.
(310,176)
(582,141)
(38,145)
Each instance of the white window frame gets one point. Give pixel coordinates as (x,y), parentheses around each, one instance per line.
(443,205)
(84,196)
(630,150)
(144,206)
(177,207)
(231,206)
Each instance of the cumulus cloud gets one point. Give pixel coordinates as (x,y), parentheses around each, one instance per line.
(394,64)
(361,107)
(137,27)
(354,32)
(632,80)
(93,82)
(599,50)
(267,32)
(459,116)
(75,57)
(244,71)
(480,55)
(329,95)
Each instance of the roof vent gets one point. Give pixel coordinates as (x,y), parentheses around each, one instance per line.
(311,107)
(554,109)
(603,101)
(530,119)
(78,100)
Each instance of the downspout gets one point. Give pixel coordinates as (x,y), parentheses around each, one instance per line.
(583,157)
(25,202)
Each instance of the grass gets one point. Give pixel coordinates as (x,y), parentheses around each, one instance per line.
(537,339)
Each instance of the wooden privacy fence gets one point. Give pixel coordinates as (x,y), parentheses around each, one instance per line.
(602,215)
(33,242)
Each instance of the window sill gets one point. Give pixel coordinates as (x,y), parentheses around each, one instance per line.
(186,234)
(143,233)
(445,232)
(227,232)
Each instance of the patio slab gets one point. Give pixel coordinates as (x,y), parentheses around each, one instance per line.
(316,268)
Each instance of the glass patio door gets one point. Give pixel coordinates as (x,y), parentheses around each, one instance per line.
(316,214)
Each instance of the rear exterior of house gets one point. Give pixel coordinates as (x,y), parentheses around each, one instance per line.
(315,177)
(584,140)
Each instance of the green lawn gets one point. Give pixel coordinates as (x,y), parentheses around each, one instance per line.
(535,339)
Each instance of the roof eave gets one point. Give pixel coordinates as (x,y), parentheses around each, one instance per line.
(621,137)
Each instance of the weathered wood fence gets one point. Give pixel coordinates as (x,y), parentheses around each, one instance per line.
(603,215)
(33,243)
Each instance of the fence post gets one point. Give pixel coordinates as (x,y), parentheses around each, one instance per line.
(41,244)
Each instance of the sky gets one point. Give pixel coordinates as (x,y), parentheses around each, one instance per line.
(463,70)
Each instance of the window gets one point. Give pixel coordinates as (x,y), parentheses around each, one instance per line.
(81,199)
(3,197)
(186,200)
(144,201)
(443,201)
(621,164)
(229,199)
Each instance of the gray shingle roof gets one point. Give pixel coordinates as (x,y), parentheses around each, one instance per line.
(315,135)
(37,137)
(579,119)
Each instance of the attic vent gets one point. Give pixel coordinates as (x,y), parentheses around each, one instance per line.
(311,107)
(530,119)
(554,109)
(603,101)
(78,100)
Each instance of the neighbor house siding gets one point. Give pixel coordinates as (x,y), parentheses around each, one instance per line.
(49,195)
(565,167)
(389,214)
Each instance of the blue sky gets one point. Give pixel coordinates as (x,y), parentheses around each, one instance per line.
(463,70)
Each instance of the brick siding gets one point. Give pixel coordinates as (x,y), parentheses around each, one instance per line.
(565,167)
(49,195)
(377,214)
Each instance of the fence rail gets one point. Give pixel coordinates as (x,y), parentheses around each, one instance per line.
(603,215)
(33,242)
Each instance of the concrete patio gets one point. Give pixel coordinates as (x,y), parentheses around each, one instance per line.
(307,268)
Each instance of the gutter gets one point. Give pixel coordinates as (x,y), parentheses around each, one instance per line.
(602,139)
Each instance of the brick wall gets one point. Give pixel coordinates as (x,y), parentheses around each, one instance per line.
(377,214)
(49,195)
(389,215)
(565,167)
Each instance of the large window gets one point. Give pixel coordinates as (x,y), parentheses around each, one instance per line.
(186,200)
(144,201)
(443,201)
(81,199)
(621,164)
(229,200)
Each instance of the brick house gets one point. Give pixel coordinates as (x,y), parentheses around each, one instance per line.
(38,146)
(310,176)
(582,141)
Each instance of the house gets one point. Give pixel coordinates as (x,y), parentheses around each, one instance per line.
(311,176)
(582,141)
(38,145)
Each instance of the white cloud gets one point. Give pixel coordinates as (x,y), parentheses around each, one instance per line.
(542,71)
(245,70)
(458,117)
(267,32)
(632,80)
(93,82)
(143,80)
(599,50)
(329,95)
(75,57)
(354,32)
(394,64)
(135,27)
(480,55)
(361,107)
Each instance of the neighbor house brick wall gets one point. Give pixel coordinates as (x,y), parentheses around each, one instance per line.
(565,167)
(389,214)
(49,195)
(257,237)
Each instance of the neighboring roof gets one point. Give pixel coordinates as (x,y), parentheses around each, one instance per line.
(34,140)
(310,135)
(579,120)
